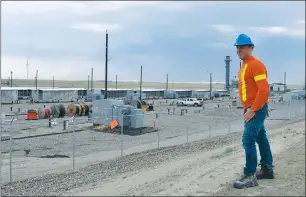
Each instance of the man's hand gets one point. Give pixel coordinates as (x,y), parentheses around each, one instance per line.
(249,114)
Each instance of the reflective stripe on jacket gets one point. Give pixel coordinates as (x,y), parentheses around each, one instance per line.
(253,84)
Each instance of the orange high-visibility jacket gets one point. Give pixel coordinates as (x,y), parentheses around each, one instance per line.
(253,84)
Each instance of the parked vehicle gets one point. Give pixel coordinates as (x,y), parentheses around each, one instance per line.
(190,102)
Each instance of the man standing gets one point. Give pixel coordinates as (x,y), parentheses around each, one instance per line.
(254,94)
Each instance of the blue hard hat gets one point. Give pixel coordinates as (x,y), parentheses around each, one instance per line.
(243,40)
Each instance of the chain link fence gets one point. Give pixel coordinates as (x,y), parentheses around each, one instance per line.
(36,148)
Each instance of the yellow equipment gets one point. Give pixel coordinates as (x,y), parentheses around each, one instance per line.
(144,106)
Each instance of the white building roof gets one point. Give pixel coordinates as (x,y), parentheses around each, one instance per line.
(202,90)
(24,88)
(41,88)
(99,89)
(61,89)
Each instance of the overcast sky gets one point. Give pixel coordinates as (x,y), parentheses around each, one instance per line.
(187,40)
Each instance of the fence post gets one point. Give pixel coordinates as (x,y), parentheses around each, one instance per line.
(73,143)
(187,134)
(50,123)
(11,150)
(290,108)
(2,118)
(229,122)
(210,125)
(302,111)
(158,136)
(122,134)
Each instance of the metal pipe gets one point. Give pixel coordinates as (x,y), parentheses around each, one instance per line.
(227,71)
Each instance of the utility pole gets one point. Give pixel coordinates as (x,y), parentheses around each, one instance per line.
(167,82)
(11,78)
(116,81)
(88,83)
(91,79)
(27,65)
(36,80)
(106,64)
(53,82)
(140,82)
(210,85)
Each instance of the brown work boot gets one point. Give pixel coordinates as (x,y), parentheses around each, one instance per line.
(265,172)
(245,182)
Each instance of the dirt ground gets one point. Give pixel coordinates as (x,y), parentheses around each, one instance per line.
(208,173)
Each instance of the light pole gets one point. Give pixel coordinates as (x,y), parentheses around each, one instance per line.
(210,85)
(11,78)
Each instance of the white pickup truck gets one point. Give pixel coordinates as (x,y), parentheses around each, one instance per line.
(190,102)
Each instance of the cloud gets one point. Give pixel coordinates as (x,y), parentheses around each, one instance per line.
(66,39)
(97,28)
(218,45)
(279,30)
(302,22)
(225,28)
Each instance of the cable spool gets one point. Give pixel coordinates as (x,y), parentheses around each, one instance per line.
(83,108)
(41,113)
(54,111)
(80,109)
(58,110)
(73,110)
(86,110)
(89,104)
(62,110)
(47,112)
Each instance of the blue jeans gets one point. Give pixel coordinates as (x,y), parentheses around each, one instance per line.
(254,131)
